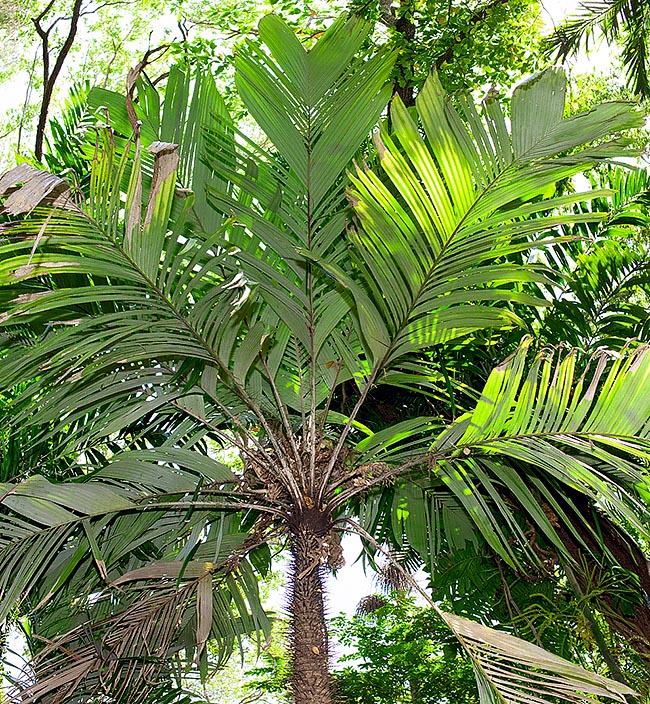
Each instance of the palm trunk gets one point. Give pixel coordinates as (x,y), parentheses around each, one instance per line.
(310,678)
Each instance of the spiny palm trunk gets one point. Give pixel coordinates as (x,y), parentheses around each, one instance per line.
(310,678)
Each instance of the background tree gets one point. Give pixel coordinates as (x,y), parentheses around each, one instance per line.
(393,652)
(489,43)
(471,45)
(401,653)
(44,52)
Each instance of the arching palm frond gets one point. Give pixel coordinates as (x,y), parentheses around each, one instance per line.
(466,181)
(509,670)
(541,431)
(126,641)
(605,271)
(69,542)
(578,426)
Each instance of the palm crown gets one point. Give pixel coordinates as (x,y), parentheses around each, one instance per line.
(167,324)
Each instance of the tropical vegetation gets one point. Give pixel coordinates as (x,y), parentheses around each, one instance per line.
(215,342)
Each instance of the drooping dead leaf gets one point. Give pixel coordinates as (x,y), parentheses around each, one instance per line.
(526,672)
(203,613)
(29,187)
(164,167)
(124,654)
(135,205)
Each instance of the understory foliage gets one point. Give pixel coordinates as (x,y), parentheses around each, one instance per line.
(401,653)
(206,293)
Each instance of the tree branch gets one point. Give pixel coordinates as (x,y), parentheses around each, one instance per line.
(49,78)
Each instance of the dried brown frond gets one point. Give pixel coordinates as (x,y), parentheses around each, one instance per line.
(126,654)
(371,603)
(28,187)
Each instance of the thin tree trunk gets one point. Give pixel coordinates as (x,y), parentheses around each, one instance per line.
(50,77)
(405,26)
(310,678)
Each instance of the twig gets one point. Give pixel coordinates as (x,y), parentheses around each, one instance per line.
(28,93)
(510,601)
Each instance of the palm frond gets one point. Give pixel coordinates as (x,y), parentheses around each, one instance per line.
(304,101)
(316,110)
(556,428)
(540,431)
(465,180)
(604,270)
(625,21)
(512,671)
(41,517)
(127,648)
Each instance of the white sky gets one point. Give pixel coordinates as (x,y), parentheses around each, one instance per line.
(599,56)
(350,585)
(555,10)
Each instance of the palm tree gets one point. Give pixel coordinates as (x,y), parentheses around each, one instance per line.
(262,315)
(625,21)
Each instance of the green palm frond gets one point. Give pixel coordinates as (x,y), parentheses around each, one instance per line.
(316,110)
(67,133)
(141,283)
(41,518)
(99,578)
(608,286)
(605,270)
(464,181)
(540,431)
(304,100)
